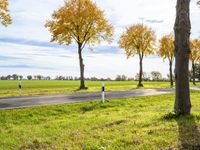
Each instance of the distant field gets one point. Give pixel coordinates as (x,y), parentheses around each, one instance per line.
(132,123)
(35,87)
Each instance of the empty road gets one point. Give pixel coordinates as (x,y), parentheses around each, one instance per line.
(30,101)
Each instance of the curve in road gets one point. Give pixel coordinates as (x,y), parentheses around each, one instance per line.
(23,102)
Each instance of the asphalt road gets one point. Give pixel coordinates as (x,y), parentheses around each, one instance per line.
(30,101)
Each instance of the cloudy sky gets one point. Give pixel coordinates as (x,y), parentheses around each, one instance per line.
(25,47)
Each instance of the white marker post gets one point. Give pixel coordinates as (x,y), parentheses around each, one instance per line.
(20,88)
(103,93)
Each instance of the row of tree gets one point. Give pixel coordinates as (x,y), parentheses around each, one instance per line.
(153,76)
(78,78)
(11,77)
(75,22)
(140,40)
(29,77)
(83,22)
(167,51)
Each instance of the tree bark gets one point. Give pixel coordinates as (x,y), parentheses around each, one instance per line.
(193,73)
(171,74)
(82,80)
(182,29)
(140,73)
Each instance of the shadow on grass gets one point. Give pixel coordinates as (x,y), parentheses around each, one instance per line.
(78,89)
(189,134)
(98,105)
(91,107)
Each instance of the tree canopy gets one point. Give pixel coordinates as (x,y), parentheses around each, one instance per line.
(138,39)
(5,18)
(166,49)
(195,50)
(81,21)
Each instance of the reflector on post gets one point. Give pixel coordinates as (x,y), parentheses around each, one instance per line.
(20,88)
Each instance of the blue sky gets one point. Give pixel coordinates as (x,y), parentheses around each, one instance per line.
(25,47)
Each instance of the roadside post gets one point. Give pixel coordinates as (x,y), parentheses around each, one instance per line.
(103,92)
(20,88)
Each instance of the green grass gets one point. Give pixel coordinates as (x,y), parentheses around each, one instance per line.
(10,88)
(133,123)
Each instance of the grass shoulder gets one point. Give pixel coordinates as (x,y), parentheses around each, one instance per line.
(139,123)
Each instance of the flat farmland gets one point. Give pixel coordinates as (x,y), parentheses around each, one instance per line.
(41,87)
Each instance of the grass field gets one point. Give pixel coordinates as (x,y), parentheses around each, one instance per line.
(140,123)
(10,88)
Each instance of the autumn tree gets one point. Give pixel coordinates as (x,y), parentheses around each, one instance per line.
(166,50)
(5,18)
(182,29)
(138,40)
(82,22)
(194,56)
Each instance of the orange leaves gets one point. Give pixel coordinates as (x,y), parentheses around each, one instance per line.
(166,49)
(195,50)
(5,18)
(81,21)
(138,39)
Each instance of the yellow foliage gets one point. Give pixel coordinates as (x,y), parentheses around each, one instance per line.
(138,40)
(195,50)
(81,21)
(5,18)
(166,48)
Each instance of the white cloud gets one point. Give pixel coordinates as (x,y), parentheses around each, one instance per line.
(59,61)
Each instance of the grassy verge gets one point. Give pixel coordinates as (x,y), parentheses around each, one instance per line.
(140,123)
(10,88)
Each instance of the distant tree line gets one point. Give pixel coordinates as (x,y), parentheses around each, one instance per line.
(153,76)
(29,77)
(123,78)
(78,78)
(41,77)
(11,77)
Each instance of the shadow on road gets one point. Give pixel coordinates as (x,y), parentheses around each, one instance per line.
(189,135)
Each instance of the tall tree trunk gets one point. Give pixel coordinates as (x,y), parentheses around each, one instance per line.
(82,80)
(171,74)
(182,50)
(193,73)
(140,74)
